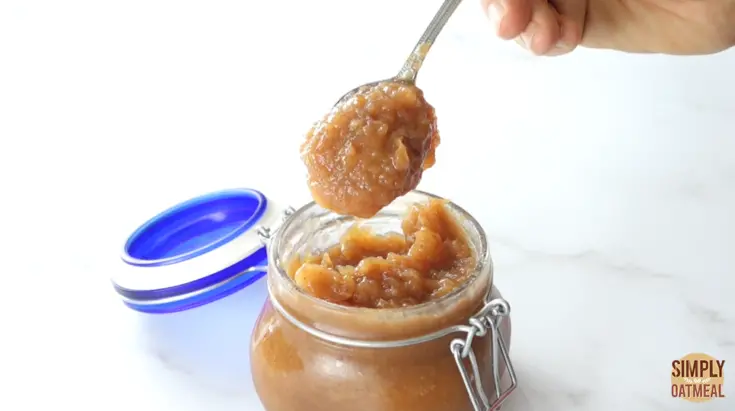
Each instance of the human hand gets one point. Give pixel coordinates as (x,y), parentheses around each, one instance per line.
(554,27)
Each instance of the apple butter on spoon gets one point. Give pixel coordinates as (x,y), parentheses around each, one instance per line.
(375,143)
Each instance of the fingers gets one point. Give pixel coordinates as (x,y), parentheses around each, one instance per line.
(572,14)
(542,33)
(510,17)
(543,28)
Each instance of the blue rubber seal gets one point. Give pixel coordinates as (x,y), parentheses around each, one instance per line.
(190,230)
(194,227)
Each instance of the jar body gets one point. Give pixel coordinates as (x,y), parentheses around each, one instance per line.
(295,371)
(310,355)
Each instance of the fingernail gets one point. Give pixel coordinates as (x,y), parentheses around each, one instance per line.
(526,38)
(496,12)
(561,44)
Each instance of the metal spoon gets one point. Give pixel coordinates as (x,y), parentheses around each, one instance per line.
(413,63)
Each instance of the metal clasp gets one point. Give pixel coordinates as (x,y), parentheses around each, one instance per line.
(488,318)
(266,233)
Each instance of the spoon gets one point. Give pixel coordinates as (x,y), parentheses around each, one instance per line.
(413,63)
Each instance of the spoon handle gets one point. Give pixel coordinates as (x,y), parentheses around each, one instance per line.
(412,65)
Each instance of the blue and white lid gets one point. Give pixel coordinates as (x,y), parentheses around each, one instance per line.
(197,252)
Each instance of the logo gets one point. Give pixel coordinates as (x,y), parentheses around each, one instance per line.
(697,378)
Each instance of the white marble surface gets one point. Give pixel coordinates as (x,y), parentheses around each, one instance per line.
(606,183)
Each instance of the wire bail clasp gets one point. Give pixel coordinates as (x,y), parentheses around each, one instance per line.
(265,233)
(488,318)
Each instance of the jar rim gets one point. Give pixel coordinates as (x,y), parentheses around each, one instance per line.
(484,262)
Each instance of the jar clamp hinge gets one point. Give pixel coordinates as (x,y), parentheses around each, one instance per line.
(265,233)
(488,318)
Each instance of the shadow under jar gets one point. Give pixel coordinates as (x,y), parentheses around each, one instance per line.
(448,354)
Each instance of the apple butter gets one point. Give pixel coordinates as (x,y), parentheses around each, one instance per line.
(371,148)
(323,344)
(428,261)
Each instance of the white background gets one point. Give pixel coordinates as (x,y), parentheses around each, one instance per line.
(606,182)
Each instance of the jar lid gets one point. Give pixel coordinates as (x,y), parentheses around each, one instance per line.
(196,252)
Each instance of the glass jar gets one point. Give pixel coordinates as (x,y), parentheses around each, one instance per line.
(311,355)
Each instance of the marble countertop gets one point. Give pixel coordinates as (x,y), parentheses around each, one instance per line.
(606,183)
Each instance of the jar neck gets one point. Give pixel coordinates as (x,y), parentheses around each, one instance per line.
(313,227)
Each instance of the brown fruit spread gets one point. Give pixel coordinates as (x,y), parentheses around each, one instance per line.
(429,260)
(371,288)
(296,371)
(370,149)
